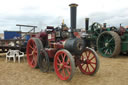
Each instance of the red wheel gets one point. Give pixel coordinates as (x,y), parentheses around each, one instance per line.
(89,62)
(33,52)
(64,65)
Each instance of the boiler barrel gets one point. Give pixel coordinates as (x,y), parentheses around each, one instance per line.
(74,45)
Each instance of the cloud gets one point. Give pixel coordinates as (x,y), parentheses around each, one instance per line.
(52,12)
(112,18)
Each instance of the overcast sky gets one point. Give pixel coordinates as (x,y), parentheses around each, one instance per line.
(51,12)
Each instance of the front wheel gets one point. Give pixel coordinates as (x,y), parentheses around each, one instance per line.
(89,62)
(64,65)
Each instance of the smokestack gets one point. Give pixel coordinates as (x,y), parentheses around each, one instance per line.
(73,9)
(104,25)
(120,24)
(86,24)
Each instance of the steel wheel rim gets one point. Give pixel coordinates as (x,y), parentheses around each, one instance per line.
(106,45)
(44,62)
(62,65)
(32,53)
(88,63)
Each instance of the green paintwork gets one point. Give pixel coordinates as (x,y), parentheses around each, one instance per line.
(124,42)
(106,45)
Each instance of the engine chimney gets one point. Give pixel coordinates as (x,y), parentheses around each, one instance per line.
(73,9)
(120,24)
(86,24)
(104,25)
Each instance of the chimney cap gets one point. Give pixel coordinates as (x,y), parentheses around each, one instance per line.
(73,5)
(86,18)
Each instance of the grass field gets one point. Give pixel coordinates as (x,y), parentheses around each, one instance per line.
(113,71)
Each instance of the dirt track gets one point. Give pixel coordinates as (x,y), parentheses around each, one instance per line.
(113,71)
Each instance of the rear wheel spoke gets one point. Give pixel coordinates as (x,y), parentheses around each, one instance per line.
(58,59)
(59,68)
(68,71)
(30,47)
(66,66)
(106,51)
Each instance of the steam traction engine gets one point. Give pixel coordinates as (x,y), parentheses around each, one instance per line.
(64,49)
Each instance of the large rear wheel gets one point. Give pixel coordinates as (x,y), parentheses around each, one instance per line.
(64,65)
(108,44)
(33,52)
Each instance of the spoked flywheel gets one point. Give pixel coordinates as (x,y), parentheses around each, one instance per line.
(64,64)
(108,44)
(89,62)
(33,52)
(96,28)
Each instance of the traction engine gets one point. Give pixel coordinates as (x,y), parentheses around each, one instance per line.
(63,49)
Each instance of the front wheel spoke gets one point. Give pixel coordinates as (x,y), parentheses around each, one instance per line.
(88,55)
(92,66)
(88,69)
(92,62)
(82,57)
(82,64)
(92,58)
(64,57)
